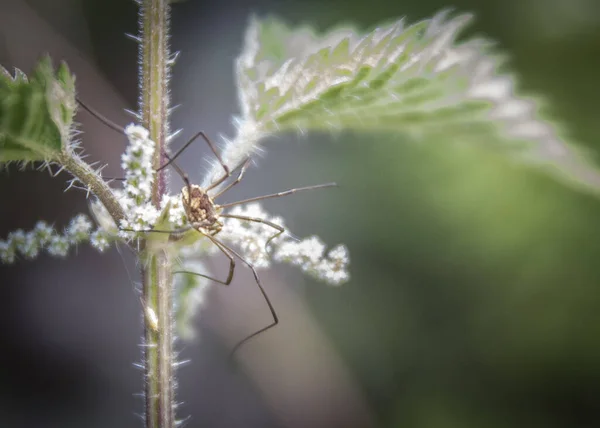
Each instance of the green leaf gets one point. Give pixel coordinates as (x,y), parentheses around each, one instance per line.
(36,113)
(417,80)
(278,43)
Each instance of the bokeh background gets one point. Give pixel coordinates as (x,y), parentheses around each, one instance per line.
(474,298)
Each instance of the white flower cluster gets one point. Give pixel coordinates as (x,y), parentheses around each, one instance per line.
(137,164)
(139,175)
(309,254)
(101,239)
(177,216)
(135,195)
(250,236)
(44,237)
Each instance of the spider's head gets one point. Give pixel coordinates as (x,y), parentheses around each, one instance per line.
(200,209)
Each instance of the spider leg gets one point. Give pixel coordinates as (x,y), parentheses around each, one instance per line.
(112,125)
(267,300)
(245,166)
(182,174)
(226,170)
(277,195)
(225,251)
(170,160)
(262,291)
(230,253)
(176,231)
(181,150)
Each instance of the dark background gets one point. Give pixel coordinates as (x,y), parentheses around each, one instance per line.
(474,300)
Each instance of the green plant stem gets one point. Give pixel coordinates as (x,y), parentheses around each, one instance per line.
(84,173)
(159,342)
(157,275)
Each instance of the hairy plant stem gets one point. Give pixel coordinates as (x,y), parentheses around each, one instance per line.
(156,275)
(84,173)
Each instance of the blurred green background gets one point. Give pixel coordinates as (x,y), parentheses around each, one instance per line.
(475,297)
(477,281)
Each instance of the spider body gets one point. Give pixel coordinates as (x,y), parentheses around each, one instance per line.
(202,213)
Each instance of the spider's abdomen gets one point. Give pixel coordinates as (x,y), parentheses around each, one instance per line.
(200,209)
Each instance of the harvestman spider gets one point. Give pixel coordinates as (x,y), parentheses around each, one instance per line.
(204,215)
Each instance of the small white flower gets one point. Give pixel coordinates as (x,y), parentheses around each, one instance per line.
(79,229)
(311,249)
(147,214)
(177,216)
(331,272)
(136,132)
(7,252)
(30,248)
(17,237)
(141,218)
(100,240)
(25,243)
(58,246)
(43,232)
(339,254)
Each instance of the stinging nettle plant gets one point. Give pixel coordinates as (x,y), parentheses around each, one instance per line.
(417,80)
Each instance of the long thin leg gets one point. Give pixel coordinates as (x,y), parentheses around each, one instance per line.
(277,195)
(121,130)
(182,149)
(179,171)
(236,181)
(245,166)
(227,172)
(219,245)
(228,251)
(280,229)
(262,291)
(225,251)
(176,231)
(171,160)
(269,304)
(112,125)
(184,176)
